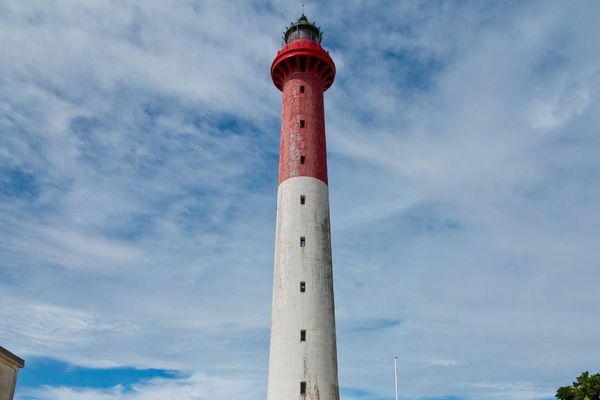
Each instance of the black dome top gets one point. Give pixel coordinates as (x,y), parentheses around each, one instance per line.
(303,29)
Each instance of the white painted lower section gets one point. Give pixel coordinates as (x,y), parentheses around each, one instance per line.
(315,360)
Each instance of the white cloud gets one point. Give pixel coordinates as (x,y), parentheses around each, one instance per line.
(464,191)
(441,362)
(559,108)
(195,387)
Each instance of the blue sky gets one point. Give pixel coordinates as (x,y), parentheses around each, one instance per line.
(138,162)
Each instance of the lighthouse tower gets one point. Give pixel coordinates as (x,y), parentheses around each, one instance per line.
(303,355)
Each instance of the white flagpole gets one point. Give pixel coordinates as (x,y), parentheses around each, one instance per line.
(396,375)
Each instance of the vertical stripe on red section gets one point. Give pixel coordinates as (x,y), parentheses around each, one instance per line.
(303,150)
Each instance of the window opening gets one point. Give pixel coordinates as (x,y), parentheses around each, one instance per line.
(301,89)
(301,123)
(303,335)
(302,199)
(302,387)
(302,241)
(302,287)
(302,159)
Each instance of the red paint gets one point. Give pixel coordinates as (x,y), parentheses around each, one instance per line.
(303,63)
(303,56)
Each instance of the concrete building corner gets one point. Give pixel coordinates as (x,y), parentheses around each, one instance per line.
(10,364)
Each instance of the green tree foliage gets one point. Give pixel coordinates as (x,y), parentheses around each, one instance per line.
(586,387)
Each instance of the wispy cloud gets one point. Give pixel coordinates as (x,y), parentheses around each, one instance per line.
(138,161)
(194,387)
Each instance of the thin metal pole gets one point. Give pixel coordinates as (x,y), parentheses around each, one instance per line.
(396,375)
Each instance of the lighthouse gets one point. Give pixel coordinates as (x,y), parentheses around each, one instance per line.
(303,355)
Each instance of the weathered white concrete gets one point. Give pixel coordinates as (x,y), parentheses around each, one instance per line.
(315,360)
(9,367)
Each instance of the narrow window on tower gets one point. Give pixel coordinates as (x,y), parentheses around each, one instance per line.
(302,199)
(301,123)
(301,89)
(302,387)
(303,335)
(302,159)
(302,241)
(302,287)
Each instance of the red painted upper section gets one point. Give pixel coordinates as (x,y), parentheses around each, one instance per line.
(303,150)
(303,70)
